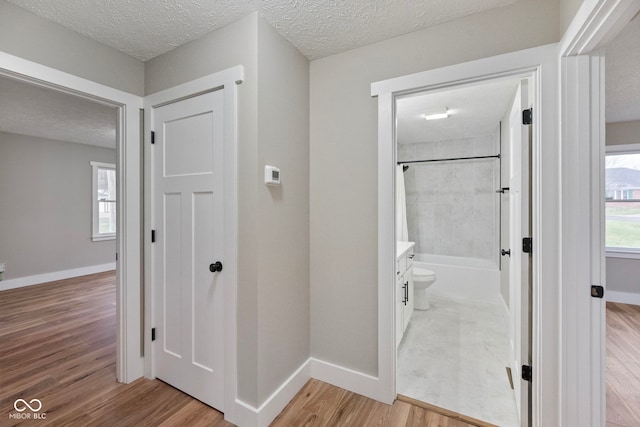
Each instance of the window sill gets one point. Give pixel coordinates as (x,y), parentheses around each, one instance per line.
(621,253)
(102,238)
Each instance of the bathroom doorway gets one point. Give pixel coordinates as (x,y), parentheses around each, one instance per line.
(462,178)
(540,66)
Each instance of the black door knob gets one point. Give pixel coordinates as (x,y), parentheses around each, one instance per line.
(216,266)
(507,252)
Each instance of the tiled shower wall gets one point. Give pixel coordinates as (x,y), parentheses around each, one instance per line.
(453,207)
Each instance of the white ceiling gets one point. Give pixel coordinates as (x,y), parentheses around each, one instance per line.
(36,111)
(474,111)
(147,28)
(622,74)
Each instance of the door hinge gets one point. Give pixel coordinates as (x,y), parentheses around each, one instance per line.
(527,373)
(153,334)
(597,291)
(116,256)
(153,137)
(527,245)
(527,116)
(153,236)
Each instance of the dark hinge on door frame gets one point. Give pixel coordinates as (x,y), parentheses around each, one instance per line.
(153,236)
(527,373)
(153,334)
(527,116)
(153,137)
(597,291)
(527,245)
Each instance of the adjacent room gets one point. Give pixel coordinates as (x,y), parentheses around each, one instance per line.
(58,185)
(622,225)
(58,246)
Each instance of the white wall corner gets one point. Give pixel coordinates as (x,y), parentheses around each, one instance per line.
(37,279)
(348,379)
(249,416)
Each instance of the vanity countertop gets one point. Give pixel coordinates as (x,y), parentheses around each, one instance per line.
(402,248)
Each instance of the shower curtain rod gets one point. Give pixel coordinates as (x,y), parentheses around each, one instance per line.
(452,159)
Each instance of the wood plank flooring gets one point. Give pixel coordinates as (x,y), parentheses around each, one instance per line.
(623,365)
(57,344)
(320,404)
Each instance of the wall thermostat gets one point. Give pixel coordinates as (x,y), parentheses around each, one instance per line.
(271,175)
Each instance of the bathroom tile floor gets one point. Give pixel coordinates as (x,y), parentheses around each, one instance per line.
(454,355)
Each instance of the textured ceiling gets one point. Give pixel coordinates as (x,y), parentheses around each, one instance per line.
(622,75)
(475,111)
(35,111)
(147,28)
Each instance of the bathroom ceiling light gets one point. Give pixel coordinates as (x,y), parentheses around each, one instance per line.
(436,113)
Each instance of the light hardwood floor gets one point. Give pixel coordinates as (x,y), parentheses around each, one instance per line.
(57,344)
(623,365)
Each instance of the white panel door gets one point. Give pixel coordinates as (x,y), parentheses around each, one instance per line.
(519,227)
(187,203)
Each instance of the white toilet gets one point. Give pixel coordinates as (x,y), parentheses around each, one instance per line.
(422,279)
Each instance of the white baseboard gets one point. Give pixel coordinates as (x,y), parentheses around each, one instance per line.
(622,297)
(56,275)
(247,415)
(348,379)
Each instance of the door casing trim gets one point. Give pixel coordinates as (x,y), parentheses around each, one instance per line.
(228,80)
(541,64)
(129,359)
(583,339)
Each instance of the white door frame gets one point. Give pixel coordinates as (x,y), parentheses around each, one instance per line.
(129,360)
(228,79)
(541,64)
(583,339)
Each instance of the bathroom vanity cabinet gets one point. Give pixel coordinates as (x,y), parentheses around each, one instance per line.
(403,287)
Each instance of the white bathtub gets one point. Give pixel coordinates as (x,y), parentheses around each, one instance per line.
(463,278)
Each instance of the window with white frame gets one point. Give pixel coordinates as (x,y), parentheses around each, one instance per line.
(103,201)
(622,198)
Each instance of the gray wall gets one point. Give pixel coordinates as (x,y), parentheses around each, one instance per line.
(283,222)
(31,37)
(343,153)
(623,274)
(568,9)
(452,206)
(273,306)
(45,188)
(621,133)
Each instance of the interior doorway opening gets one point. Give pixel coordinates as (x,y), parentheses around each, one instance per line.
(584,277)
(540,65)
(129,356)
(622,224)
(462,318)
(61,193)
